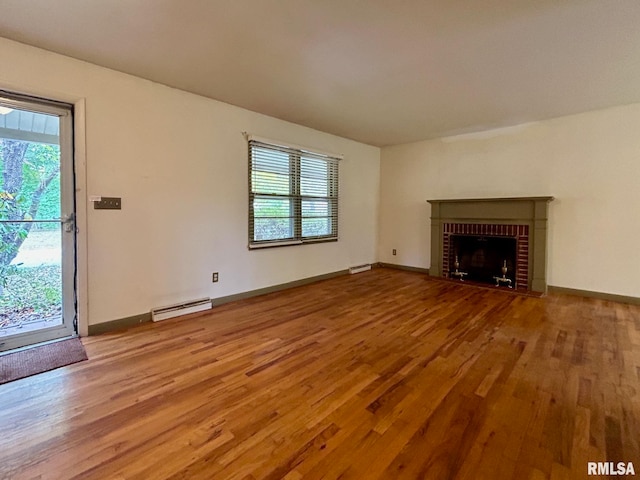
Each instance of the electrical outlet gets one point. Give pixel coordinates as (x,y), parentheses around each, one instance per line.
(214,277)
(394,251)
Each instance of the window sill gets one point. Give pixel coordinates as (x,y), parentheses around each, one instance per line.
(260,246)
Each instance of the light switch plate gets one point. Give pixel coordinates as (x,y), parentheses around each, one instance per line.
(108,203)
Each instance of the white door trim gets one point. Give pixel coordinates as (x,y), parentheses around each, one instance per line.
(82,253)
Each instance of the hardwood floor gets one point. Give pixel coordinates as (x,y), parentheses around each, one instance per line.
(384,374)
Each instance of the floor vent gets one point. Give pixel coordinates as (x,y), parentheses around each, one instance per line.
(360,268)
(170,311)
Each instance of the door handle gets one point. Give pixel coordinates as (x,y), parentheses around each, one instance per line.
(69,222)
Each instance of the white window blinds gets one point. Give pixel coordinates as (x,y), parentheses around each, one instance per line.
(293,195)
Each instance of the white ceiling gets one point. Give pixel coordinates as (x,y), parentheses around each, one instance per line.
(379,71)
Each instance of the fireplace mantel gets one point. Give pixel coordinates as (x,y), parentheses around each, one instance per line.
(529,211)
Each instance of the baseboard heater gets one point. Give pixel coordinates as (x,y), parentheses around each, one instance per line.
(170,311)
(360,268)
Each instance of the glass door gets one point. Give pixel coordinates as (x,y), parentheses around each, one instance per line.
(37,222)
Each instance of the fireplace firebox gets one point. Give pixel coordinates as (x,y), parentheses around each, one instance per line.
(482,250)
(482,259)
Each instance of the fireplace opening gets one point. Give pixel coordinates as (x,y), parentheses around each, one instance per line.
(482,259)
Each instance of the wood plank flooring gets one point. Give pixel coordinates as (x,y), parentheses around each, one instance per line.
(380,375)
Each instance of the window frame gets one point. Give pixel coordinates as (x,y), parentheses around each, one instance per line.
(296,158)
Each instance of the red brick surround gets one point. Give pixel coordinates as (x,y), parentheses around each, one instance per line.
(519,232)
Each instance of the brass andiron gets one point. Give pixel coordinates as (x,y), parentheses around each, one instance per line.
(457,273)
(503,279)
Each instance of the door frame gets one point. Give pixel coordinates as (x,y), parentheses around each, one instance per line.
(81,195)
(69,323)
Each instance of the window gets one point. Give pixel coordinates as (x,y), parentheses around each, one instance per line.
(293,195)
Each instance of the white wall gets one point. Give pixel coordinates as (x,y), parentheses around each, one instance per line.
(179,162)
(589,162)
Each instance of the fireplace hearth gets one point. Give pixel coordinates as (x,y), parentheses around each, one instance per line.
(488,235)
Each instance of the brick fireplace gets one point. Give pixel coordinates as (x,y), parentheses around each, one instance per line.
(518,267)
(517,225)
